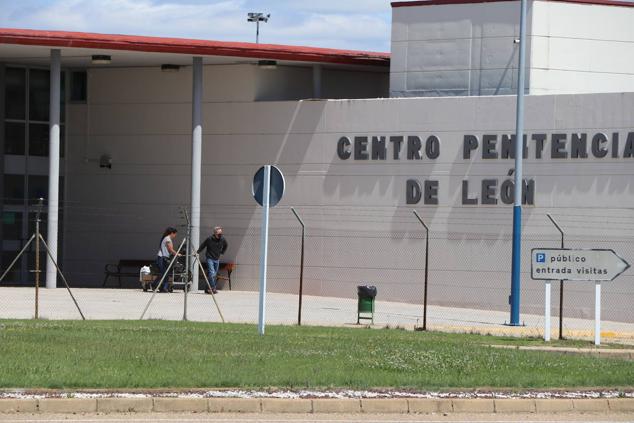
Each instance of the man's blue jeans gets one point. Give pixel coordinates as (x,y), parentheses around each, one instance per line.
(212,271)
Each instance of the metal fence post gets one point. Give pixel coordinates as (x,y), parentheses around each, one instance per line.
(188,267)
(38,213)
(561,283)
(301,268)
(426,268)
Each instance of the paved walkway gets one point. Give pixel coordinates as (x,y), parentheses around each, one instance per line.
(242,307)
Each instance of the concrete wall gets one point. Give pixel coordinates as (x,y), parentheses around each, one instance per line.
(459,49)
(581,48)
(360,228)
(468,49)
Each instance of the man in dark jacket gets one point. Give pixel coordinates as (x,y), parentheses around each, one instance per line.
(216,245)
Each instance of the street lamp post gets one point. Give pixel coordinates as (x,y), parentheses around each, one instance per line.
(258,17)
(519,152)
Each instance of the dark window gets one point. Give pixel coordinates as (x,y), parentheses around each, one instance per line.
(15,97)
(12,225)
(39,95)
(7,257)
(78,86)
(38,187)
(14,138)
(39,88)
(14,189)
(38,139)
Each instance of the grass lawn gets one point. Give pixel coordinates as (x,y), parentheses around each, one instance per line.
(162,354)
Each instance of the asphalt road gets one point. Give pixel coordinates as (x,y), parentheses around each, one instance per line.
(329,418)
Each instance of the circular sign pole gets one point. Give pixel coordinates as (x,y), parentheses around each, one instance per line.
(267,189)
(264,246)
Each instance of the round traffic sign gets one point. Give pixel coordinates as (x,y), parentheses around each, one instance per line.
(277,186)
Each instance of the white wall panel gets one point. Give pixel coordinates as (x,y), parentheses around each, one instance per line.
(583,21)
(571,48)
(462,38)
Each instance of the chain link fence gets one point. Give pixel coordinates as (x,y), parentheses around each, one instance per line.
(345,246)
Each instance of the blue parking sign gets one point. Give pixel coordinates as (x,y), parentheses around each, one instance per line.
(540,258)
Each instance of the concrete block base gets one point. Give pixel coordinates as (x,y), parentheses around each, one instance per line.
(234,405)
(274,405)
(125,405)
(67,405)
(388,406)
(336,406)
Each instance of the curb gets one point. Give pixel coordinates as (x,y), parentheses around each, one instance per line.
(315,406)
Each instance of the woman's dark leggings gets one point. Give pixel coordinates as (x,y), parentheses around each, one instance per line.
(162,263)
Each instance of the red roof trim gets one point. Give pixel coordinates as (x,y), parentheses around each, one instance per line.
(191,47)
(445,2)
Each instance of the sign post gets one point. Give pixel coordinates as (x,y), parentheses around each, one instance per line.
(264,248)
(576,265)
(267,189)
(547,312)
(597,313)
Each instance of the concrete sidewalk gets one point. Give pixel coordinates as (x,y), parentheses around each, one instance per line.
(241,307)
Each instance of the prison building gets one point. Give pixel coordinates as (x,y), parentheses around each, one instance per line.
(142,128)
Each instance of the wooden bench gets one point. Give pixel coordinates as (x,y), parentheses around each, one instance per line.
(224,266)
(126,268)
(129,268)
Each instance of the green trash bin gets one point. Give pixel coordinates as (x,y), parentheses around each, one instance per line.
(365,305)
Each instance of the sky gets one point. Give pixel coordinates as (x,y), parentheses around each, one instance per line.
(347,24)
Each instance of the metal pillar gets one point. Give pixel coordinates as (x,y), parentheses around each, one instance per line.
(317,71)
(53,168)
(188,262)
(519,153)
(257,31)
(197,138)
(37,257)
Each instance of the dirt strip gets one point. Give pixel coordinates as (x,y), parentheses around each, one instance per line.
(589,393)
